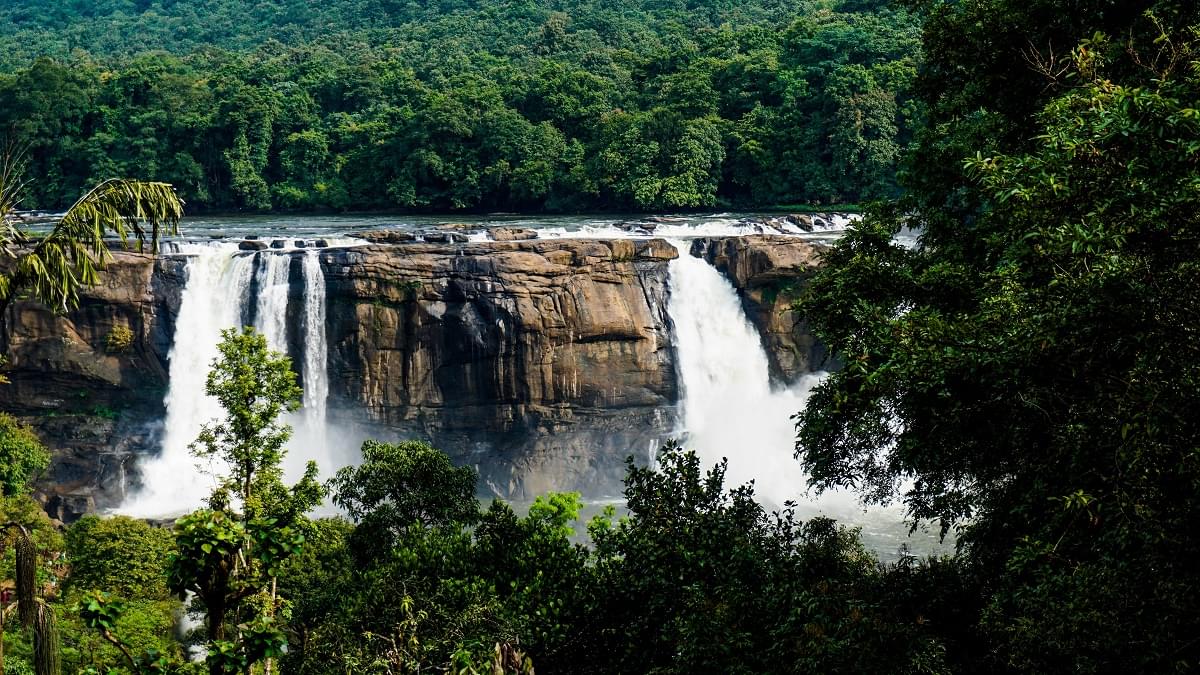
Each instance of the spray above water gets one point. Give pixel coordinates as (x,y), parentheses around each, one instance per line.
(216,296)
(728,407)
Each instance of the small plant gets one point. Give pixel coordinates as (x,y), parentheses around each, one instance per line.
(119,340)
(104,412)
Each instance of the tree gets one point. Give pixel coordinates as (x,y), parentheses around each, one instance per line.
(52,268)
(22,456)
(119,555)
(1028,373)
(699,578)
(398,486)
(255,386)
(424,582)
(229,558)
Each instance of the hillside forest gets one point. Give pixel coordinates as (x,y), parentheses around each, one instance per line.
(494,105)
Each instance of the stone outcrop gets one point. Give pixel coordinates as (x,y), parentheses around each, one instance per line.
(387,236)
(543,363)
(768,272)
(511,233)
(91,382)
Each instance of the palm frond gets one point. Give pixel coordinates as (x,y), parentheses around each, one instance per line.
(75,251)
(12,184)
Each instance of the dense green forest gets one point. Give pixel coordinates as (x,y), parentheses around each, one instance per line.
(1027,376)
(490,105)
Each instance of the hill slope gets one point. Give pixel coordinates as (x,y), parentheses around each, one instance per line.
(378,104)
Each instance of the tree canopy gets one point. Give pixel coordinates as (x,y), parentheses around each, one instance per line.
(1027,373)
(488,105)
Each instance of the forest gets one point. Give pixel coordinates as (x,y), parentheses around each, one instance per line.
(490,106)
(1026,377)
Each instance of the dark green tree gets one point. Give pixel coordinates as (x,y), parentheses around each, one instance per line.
(1026,373)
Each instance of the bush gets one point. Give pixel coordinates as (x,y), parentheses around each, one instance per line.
(22,456)
(119,340)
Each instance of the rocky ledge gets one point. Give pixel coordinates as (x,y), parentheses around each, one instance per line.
(769,271)
(543,363)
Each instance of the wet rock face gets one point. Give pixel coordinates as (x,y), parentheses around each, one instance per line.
(91,382)
(543,363)
(768,272)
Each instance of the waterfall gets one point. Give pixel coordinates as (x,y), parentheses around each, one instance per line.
(309,424)
(270,308)
(728,407)
(217,295)
(316,348)
(214,277)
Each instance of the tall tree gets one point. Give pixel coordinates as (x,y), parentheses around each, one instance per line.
(229,557)
(1028,372)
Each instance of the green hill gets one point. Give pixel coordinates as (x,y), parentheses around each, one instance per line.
(376,104)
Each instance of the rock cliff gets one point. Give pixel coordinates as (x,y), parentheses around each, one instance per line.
(91,381)
(768,272)
(544,363)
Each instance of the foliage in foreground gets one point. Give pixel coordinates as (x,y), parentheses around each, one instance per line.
(697,578)
(1033,366)
(51,267)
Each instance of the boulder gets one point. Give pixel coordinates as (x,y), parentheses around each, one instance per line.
(801,221)
(278,243)
(385,236)
(646,226)
(252,245)
(511,233)
(444,237)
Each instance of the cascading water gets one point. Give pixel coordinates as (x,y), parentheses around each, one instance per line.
(728,407)
(214,275)
(270,309)
(316,376)
(216,296)
(310,423)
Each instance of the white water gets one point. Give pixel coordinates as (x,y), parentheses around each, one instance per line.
(311,435)
(214,298)
(175,481)
(728,407)
(718,225)
(316,347)
(270,315)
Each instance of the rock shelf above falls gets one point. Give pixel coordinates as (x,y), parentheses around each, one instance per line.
(544,363)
